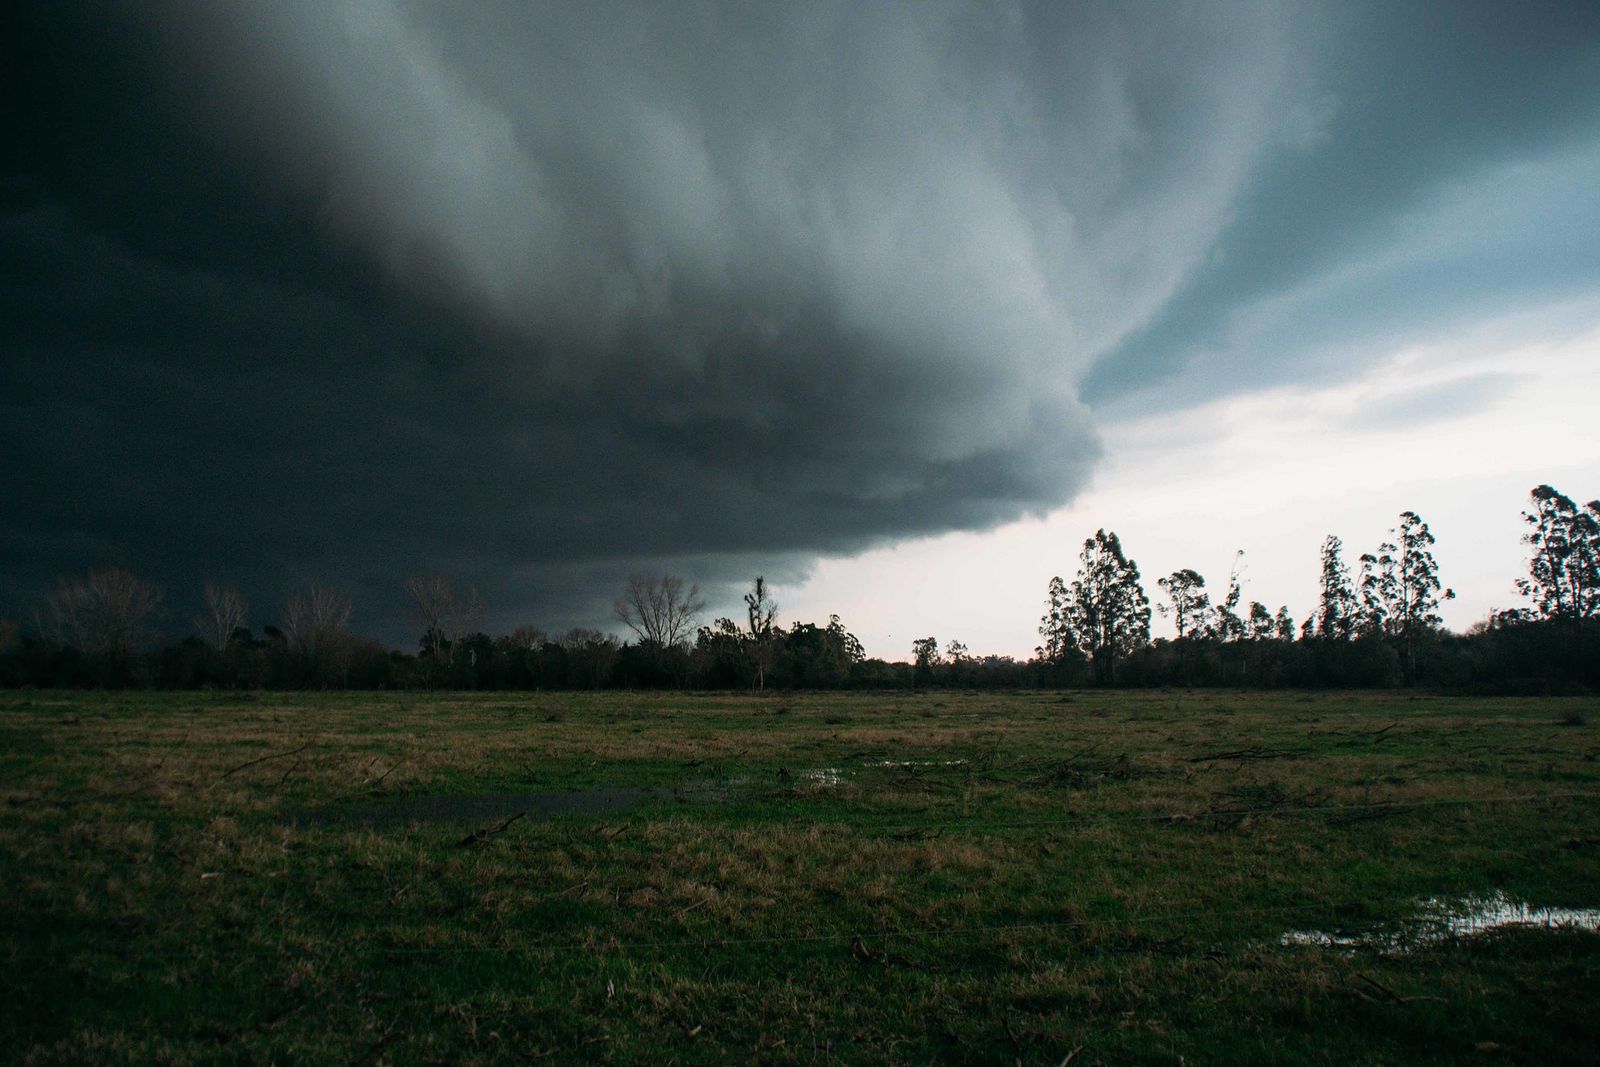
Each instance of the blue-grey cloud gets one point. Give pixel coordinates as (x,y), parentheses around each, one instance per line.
(535,294)
(1421,405)
(1450,171)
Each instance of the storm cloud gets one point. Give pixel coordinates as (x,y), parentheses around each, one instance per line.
(538,294)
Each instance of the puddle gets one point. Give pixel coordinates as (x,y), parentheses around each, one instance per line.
(919,763)
(824,776)
(1444,920)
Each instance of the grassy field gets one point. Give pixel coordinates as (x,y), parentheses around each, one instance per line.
(932,877)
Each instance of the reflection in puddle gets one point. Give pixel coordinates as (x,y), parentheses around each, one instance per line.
(919,763)
(1442,920)
(829,776)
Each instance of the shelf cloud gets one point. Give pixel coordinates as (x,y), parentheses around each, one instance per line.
(537,294)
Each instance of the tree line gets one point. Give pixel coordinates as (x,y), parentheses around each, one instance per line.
(1375,623)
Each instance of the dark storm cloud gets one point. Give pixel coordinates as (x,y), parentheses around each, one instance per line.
(533,296)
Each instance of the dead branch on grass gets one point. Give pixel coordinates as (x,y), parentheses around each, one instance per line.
(373,787)
(231,771)
(295,767)
(162,762)
(487,832)
(1255,752)
(1391,995)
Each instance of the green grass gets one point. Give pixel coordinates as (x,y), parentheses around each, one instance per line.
(1109,873)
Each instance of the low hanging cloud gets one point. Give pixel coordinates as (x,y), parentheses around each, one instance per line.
(536,294)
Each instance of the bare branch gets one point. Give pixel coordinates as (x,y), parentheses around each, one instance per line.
(659,610)
(224,611)
(106,612)
(445,615)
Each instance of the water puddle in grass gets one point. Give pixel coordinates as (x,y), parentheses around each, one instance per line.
(919,763)
(1444,920)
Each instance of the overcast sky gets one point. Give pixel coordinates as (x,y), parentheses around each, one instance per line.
(894,304)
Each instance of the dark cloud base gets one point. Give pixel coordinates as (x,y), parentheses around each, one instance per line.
(198,381)
(535,299)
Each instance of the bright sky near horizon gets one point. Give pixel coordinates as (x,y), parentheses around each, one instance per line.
(1458,431)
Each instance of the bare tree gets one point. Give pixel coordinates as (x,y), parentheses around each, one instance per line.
(107,612)
(762,644)
(224,611)
(590,656)
(314,622)
(527,638)
(445,615)
(659,610)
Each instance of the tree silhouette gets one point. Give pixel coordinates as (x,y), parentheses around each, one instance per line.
(924,658)
(445,615)
(223,610)
(1059,640)
(661,611)
(107,614)
(1337,607)
(1564,570)
(1230,625)
(761,644)
(1105,608)
(1191,604)
(1401,592)
(314,624)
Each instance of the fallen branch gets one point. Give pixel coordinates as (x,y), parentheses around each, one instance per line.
(162,762)
(1254,753)
(687,909)
(489,831)
(1380,987)
(293,767)
(384,775)
(230,772)
(1396,997)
